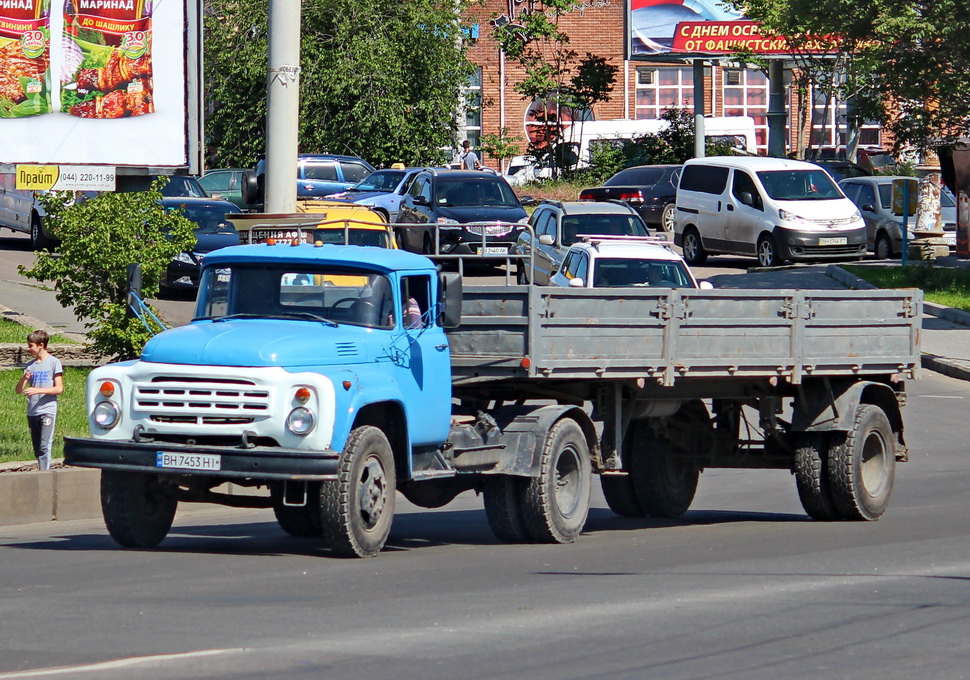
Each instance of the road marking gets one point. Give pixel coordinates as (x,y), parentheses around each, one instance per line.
(118,663)
(941,396)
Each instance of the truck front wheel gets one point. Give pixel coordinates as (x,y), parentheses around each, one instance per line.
(555,504)
(138,509)
(862,465)
(358,507)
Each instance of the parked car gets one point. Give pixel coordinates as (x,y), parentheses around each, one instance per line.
(236,185)
(558,225)
(840,170)
(651,190)
(214,231)
(619,262)
(474,212)
(382,190)
(884,229)
(872,158)
(775,209)
(182,185)
(319,175)
(21,211)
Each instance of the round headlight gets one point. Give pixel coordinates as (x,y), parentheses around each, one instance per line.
(300,421)
(106,414)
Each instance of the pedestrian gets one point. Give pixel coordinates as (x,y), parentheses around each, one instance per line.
(42,381)
(469,159)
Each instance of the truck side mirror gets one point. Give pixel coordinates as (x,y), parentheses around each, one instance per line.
(449,299)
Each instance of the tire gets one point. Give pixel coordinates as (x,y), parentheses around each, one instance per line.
(768,251)
(862,465)
(503,508)
(356,509)
(427,247)
(38,240)
(665,482)
(520,276)
(693,248)
(667,219)
(556,503)
(621,495)
(812,476)
(303,520)
(138,510)
(883,247)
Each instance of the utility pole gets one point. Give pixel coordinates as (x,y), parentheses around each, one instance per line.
(283,106)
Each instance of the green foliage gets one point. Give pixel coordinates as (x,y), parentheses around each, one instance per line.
(99,238)
(380,79)
(948,286)
(11,331)
(501,146)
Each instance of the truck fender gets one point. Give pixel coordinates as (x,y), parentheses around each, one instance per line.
(529,430)
(830,406)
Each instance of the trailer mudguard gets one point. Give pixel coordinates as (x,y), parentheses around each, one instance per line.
(529,430)
(830,405)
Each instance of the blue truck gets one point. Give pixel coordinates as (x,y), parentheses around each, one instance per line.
(320,380)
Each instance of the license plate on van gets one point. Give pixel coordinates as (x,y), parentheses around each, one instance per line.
(188,461)
(833,241)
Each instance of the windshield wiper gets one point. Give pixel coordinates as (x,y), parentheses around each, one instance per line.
(281,317)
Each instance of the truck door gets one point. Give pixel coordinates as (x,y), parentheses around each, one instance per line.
(426,381)
(744,214)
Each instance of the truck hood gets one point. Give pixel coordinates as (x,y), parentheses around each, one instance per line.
(256,342)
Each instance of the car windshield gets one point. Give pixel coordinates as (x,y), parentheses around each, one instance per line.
(463,192)
(382,180)
(210,218)
(179,185)
(353,237)
(576,226)
(615,272)
(636,176)
(799,185)
(327,294)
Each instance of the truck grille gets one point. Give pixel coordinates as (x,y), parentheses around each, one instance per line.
(210,401)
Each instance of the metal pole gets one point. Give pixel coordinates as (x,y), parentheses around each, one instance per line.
(283,106)
(698,108)
(777,113)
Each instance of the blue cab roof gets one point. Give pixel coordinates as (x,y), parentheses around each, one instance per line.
(383,259)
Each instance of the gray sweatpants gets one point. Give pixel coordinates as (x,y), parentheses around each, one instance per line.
(42,437)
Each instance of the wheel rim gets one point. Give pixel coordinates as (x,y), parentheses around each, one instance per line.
(873,464)
(766,254)
(568,482)
(667,219)
(882,249)
(371,491)
(690,247)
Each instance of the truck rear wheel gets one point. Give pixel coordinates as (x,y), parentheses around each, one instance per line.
(862,465)
(812,476)
(358,507)
(621,495)
(503,508)
(300,520)
(138,510)
(555,504)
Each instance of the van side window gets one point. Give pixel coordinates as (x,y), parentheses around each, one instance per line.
(708,179)
(744,190)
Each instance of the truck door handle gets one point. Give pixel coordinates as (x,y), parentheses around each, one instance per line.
(730,206)
(441,348)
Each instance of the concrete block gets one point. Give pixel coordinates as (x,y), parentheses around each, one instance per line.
(77,493)
(26,497)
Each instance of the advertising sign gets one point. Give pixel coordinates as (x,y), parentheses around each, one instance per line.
(96,82)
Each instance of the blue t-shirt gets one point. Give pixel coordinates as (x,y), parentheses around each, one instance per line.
(43,374)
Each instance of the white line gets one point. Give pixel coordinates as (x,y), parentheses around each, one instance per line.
(941,396)
(117,663)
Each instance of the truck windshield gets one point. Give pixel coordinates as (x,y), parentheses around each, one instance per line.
(326,294)
(799,185)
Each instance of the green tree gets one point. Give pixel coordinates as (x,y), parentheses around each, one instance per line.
(99,237)
(380,78)
(501,146)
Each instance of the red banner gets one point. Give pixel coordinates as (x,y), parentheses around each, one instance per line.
(728,37)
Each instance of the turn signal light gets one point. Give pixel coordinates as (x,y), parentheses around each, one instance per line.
(303,395)
(107,389)
(526,362)
(271,241)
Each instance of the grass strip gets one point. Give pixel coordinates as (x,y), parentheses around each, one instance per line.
(11,331)
(947,286)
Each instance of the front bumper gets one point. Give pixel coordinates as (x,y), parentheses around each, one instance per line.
(236,462)
(797,244)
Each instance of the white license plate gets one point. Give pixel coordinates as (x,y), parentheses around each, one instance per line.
(493,250)
(188,461)
(833,241)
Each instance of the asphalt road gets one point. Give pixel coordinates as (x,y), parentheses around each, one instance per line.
(744,586)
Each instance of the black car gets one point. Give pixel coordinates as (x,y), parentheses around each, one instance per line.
(649,189)
(840,170)
(474,212)
(214,231)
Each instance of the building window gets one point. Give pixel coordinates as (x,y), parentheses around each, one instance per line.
(663,87)
(472,97)
(829,124)
(745,93)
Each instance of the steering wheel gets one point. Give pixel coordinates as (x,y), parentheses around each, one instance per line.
(349,300)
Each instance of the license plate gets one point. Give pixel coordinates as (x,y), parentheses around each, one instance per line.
(493,250)
(261,235)
(833,241)
(188,461)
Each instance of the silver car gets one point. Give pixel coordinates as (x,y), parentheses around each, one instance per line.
(873,196)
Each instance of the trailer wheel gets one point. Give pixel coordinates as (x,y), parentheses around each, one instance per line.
(664,481)
(300,520)
(556,502)
(503,508)
(621,495)
(138,510)
(812,476)
(862,465)
(356,509)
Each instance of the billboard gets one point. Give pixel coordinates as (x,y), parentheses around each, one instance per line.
(98,82)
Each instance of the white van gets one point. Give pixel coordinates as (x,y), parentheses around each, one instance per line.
(20,211)
(773,208)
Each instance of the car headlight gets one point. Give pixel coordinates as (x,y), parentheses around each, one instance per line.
(301,421)
(184,257)
(106,414)
(446,220)
(524,220)
(792,217)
